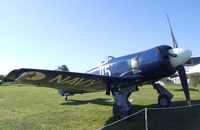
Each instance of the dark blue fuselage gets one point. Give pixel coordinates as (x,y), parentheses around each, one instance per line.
(151,64)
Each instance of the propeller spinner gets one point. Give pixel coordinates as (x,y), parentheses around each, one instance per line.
(182,56)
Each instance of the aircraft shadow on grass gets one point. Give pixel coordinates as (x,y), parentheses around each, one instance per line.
(99,101)
(183,118)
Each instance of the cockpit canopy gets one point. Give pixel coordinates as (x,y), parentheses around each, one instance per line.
(105,60)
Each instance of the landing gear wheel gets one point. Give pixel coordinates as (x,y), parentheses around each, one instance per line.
(164,101)
(117,112)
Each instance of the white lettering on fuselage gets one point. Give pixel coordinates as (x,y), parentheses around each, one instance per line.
(104,70)
(77,81)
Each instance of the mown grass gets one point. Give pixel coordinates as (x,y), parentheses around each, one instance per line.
(25,107)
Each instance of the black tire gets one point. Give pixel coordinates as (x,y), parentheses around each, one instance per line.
(164,101)
(116,111)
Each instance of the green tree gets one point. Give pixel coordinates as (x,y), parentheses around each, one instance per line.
(2,77)
(63,68)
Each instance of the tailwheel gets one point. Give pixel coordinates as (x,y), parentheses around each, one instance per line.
(66,97)
(164,101)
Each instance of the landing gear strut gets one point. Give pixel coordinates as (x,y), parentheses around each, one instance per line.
(66,97)
(122,106)
(165,97)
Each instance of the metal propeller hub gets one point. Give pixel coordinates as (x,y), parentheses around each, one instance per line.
(182,56)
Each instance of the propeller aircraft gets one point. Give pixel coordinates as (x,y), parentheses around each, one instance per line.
(119,76)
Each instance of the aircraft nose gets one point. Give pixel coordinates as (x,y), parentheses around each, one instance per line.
(183,55)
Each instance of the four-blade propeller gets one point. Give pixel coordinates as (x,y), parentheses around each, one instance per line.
(182,56)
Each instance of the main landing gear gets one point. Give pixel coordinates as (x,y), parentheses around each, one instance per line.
(122,106)
(165,97)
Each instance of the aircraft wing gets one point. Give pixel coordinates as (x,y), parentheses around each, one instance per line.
(82,82)
(194,78)
(194,75)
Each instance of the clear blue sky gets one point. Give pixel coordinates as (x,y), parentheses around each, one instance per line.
(79,33)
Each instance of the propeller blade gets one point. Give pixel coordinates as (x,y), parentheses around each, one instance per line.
(175,45)
(184,83)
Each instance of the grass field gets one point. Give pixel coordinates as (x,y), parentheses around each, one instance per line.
(39,108)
